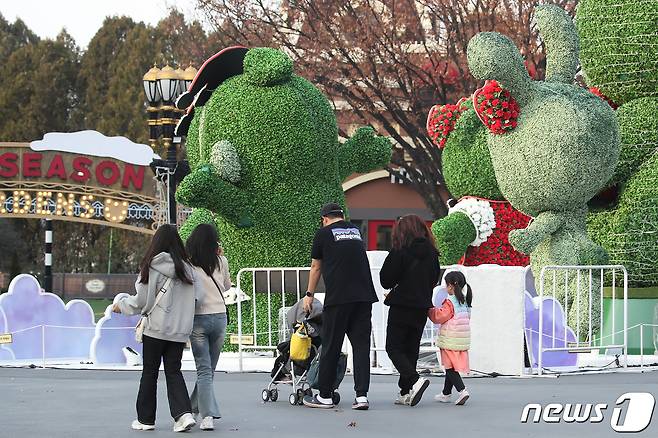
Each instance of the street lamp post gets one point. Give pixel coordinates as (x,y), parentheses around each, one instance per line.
(162,87)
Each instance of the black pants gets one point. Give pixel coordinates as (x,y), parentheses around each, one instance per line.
(155,351)
(403,334)
(453,379)
(353,320)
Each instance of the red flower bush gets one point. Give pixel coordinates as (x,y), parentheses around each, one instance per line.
(441,121)
(595,91)
(496,108)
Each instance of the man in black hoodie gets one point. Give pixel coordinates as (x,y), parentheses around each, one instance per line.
(339,254)
(411,270)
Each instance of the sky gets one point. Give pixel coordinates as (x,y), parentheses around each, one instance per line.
(82,18)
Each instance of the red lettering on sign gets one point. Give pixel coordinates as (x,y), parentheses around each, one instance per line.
(57,168)
(81,172)
(8,166)
(31,165)
(132,176)
(115,173)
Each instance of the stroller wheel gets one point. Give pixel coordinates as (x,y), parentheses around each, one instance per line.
(292,399)
(335,397)
(300,397)
(265,395)
(274,394)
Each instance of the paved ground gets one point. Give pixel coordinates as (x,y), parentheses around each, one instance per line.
(63,403)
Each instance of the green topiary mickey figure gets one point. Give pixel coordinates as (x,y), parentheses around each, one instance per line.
(264,156)
(563,150)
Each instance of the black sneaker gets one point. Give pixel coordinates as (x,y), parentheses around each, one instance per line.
(360,404)
(312,401)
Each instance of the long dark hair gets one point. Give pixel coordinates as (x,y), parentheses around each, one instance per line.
(458,282)
(410,227)
(202,246)
(166,239)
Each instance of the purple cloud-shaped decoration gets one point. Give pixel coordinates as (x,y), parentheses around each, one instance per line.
(5,352)
(550,338)
(113,332)
(67,329)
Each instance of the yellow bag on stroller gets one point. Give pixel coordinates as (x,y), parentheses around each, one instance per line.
(300,344)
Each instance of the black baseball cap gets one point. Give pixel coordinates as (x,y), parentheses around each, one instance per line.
(331,208)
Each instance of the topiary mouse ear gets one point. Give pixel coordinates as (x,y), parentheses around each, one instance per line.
(264,66)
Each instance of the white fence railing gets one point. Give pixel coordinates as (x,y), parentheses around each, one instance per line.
(580,292)
(262,292)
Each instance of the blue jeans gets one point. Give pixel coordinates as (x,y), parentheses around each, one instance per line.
(207,340)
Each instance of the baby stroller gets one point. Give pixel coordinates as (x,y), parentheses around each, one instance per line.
(301,375)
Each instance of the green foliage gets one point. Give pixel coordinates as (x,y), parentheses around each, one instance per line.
(286,140)
(560,42)
(619,41)
(13,36)
(362,150)
(264,67)
(205,189)
(454,233)
(638,128)
(37,89)
(466,163)
(629,232)
(199,216)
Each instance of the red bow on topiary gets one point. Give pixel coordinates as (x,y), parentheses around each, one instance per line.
(496,108)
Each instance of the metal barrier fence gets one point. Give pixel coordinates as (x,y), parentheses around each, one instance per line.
(582,302)
(281,281)
(261,324)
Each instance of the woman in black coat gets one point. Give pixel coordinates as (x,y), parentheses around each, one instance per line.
(411,270)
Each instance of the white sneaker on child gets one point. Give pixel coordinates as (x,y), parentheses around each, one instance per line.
(463,396)
(442,398)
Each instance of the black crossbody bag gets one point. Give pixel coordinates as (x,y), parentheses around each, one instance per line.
(228,317)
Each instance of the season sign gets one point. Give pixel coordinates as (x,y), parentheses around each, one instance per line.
(69,168)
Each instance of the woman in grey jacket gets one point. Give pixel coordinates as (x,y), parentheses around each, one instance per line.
(212,279)
(168,326)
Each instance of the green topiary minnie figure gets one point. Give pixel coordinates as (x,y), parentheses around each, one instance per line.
(264,155)
(563,150)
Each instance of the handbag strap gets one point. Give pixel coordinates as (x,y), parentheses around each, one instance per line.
(161,292)
(218,288)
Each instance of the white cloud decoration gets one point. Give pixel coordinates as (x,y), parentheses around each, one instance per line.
(95,144)
(224,158)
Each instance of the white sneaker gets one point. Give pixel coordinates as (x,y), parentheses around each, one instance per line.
(136,425)
(463,396)
(403,399)
(442,398)
(208,423)
(417,390)
(184,423)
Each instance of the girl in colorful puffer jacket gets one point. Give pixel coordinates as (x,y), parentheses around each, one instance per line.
(454,335)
